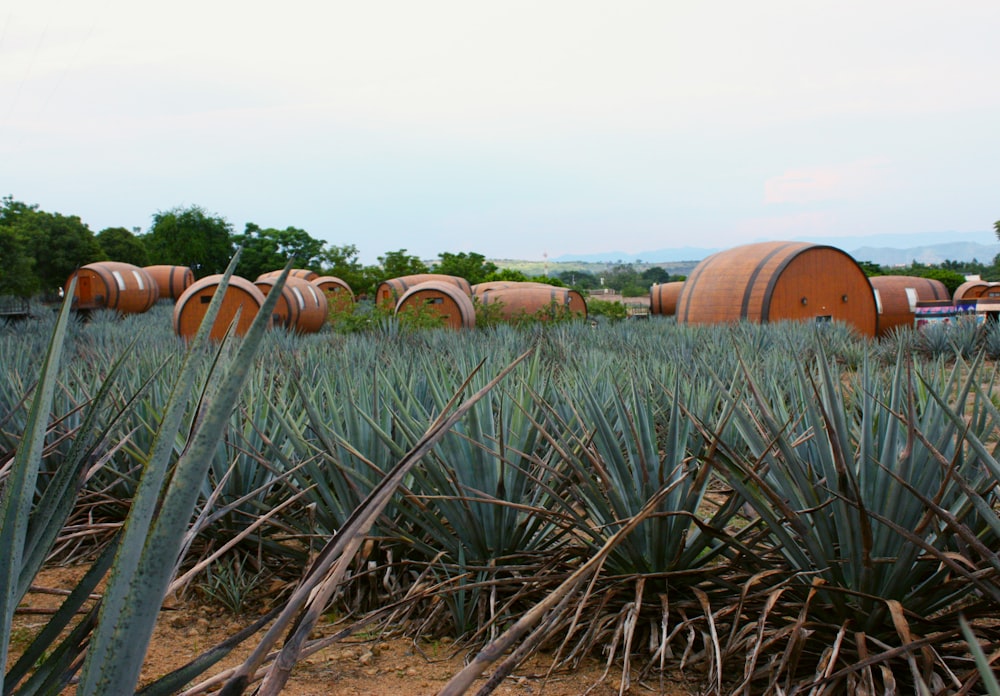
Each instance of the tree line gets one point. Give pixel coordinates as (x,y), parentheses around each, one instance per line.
(39,250)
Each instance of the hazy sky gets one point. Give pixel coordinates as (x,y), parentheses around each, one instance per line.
(512,129)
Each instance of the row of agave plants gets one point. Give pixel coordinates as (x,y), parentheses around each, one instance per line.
(778,509)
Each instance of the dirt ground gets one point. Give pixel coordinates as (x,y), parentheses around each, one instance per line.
(372,667)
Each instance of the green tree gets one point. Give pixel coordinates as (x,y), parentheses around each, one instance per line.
(342,262)
(625,279)
(118,244)
(655,275)
(951,279)
(581,280)
(18,277)
(996,228)
(471,266)
(398,263)
(270,249)
(58,244)
(508,274)
(870,268)
(190,237)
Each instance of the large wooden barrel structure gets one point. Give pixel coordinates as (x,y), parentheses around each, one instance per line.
(968,293)
(777,281)
(171,280)
(123,287)
(303,273)
(301,307)
(392,290)
(533,300)
(444,299)
(663,298)
(897,298)
(241,296)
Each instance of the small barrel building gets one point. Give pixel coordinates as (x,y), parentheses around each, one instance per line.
(445,299)
(535,300)
(968,293)
(779,281)
(897,299)
(123,287)
(480,288)
(241,296)
(303,273)
(301,307)
(663,298)
(172,281)
(339,296)
(391,290)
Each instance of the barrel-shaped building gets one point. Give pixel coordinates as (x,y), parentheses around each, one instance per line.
(301,307)
(446,300)
(779,281)
(390,291)
(531,300)
(663,298)
(172,281)
(897,298)
(339,296)
(969,293)
(303,273)
(123,287)
(242,298)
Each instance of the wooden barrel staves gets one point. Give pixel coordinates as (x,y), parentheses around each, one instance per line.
(663,298)
(339,296)
(390,291)
(242,297)
(897,299)
(303,273)
(533,301)
(968,293)
(171,280)
(444,299)
(779,281)
(480,288)
(301,307)
(113,285)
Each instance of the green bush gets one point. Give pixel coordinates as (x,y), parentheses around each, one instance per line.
(604,308)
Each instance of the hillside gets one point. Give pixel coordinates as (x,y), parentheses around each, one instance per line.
(885,250)
(554,268)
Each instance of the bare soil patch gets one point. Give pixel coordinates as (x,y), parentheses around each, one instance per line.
(361,666)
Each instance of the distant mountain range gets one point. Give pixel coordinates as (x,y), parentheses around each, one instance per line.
(884,250)
(930,255)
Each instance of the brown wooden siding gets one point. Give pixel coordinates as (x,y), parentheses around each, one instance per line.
(777,281)
(663,298)
(533,299)
(123,287)
(443,298)
(303,273)
(171,280)
(301,307)
(241,295)
(390,291)
(897,297)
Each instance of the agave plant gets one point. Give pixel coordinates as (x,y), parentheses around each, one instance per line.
(146,556)
(859,489)
(487,506)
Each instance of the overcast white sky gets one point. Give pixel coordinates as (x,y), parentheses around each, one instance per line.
(512,128)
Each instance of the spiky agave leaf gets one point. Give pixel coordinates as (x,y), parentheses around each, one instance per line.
(148,555)
(840,488)
(18,492)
